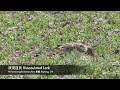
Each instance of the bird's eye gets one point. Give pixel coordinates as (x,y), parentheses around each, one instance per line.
(81,46)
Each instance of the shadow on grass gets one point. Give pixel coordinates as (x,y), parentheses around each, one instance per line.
(73,69)
(84,69)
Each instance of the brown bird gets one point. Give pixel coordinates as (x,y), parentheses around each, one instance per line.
(79,46)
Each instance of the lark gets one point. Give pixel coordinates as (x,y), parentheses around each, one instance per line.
(79,46)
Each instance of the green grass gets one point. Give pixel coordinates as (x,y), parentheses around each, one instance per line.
(24,33)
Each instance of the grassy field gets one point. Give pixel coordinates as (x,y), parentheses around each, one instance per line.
(30,38)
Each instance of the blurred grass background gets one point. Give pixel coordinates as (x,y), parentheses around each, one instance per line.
(30,38)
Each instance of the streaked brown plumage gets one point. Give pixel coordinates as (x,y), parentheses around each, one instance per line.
(79,46)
